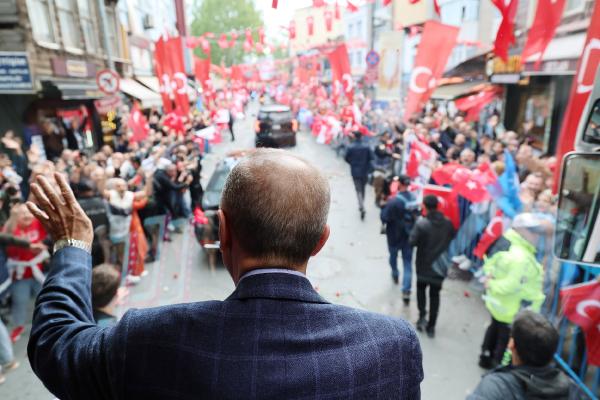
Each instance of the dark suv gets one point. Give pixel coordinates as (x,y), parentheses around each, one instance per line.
(275,126)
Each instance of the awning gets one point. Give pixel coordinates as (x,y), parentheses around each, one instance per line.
(147,97)
(563,48)
(151,82)
(71,89)
(451,92)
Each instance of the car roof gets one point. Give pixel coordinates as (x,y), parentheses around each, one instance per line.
(274,108)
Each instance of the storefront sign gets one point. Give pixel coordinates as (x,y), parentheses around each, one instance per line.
(15,75)
(552,67)
(504,72)
(73,68)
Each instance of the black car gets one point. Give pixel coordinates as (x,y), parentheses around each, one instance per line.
(275,126)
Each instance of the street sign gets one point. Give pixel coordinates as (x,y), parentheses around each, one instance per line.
(15,74)
(372,58)
(108,81)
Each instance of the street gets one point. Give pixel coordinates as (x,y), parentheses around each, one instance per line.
(351,270)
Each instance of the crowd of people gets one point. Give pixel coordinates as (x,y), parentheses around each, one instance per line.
(122,186)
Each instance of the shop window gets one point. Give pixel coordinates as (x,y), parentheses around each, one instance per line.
(41,20)
(86,16)
(359,29)
(69,28)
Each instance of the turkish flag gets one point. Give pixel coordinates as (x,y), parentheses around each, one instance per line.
(338,14)
(581,305)
(387,2)
(328,16)
(412,165)
(223,42)
(470,186)
(547,18)
(580,90)
(274,4)
(437,43)
(249,38)
(292,29)
(443,175)
(340,67)
(447,202)
(318,3)
(492,232)
(205,45)
(201,71)
(138,124)
(163,69)
(351,7)
(473,104)
(174,121)
(505,36)
(310,25)
(436,8)
(178,78)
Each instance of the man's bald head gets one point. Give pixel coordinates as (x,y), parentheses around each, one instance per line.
(276,205)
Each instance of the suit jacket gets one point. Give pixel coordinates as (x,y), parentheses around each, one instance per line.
(273,338)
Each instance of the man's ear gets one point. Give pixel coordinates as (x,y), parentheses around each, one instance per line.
(322,240)
(224,231)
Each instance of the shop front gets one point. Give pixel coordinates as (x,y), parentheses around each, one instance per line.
(17,90)
(537,92)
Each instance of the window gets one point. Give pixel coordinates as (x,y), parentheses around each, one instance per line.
(86,16)
(350,30)
(69,28)
(113,38)
(41,20)
(574,6)
(359,29)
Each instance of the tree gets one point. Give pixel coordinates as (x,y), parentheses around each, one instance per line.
(224,16)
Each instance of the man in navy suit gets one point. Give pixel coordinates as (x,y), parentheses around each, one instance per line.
(273,338)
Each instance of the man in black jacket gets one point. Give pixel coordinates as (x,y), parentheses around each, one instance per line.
(360,157)
(431,235)
(532,375)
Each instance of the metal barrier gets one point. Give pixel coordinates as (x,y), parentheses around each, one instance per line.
(571,353)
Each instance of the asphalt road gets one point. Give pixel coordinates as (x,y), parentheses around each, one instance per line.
(352,270)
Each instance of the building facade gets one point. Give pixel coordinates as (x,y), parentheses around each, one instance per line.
(315,16)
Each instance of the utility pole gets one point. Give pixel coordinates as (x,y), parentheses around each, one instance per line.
(372,44)
(105,40)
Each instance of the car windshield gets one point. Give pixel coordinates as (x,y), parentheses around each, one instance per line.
(281,116)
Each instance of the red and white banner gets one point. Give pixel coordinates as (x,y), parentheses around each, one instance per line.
(201,71)
(581,88)
(340,68)
(292,29)
(437,43)
(164,71)
(581,305)
(505,36)
(547,18)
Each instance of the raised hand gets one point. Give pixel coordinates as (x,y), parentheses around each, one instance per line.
(59,212)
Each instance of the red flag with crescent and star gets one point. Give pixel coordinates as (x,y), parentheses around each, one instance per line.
(505,36)
(447,202)
(340,67)
(437,43)
(581,305)
(547,18)
(138,124)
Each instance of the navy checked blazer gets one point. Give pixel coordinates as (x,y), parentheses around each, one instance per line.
(273,338)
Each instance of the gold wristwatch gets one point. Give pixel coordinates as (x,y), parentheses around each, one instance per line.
(62,243)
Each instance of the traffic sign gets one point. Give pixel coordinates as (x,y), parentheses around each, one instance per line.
(372,58)
(108,81)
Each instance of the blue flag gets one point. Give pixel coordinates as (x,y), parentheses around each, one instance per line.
(509,202)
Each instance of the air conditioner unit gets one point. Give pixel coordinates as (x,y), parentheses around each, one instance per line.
(148,21)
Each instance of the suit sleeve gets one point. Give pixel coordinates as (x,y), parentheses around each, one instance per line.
(74,358)
(416,361)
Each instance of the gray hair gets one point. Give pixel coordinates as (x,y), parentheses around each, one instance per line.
(276,204)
